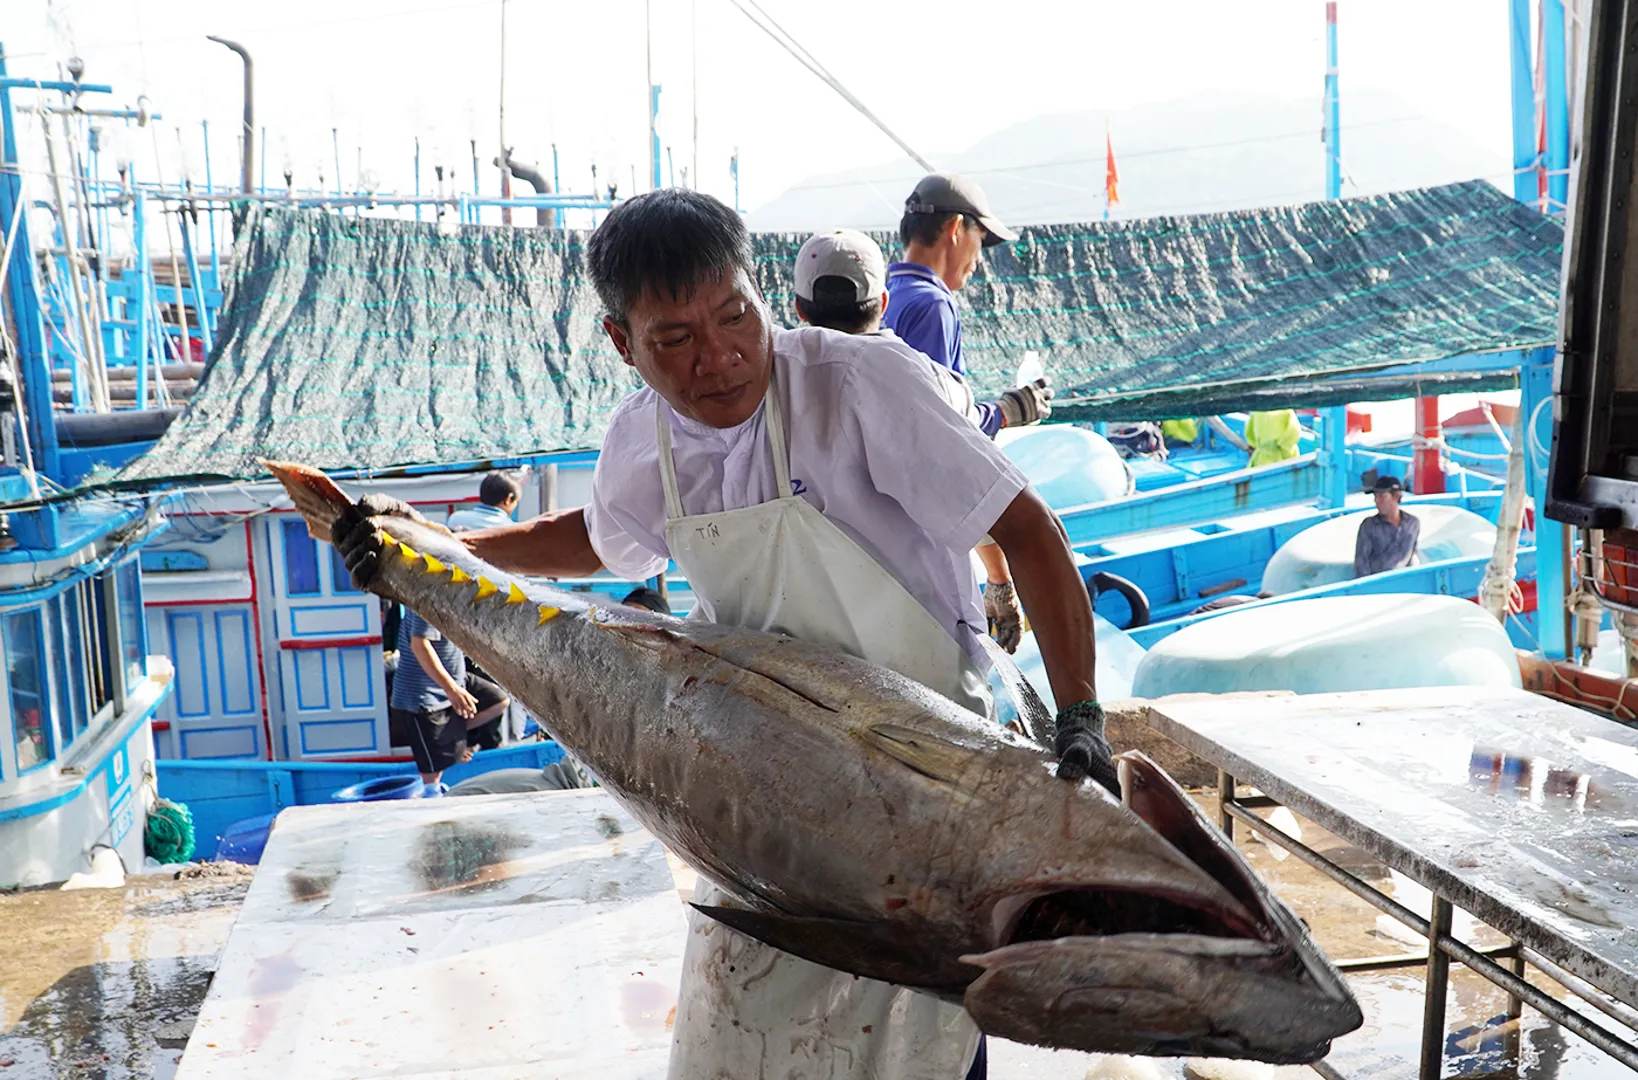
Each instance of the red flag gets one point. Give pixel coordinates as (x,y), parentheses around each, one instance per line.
(1111,178)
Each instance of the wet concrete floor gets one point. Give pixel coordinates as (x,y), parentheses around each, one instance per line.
(104,984)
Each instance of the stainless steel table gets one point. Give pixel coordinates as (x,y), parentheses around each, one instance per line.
(1517,809)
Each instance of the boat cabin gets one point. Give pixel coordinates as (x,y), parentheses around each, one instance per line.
(79,692)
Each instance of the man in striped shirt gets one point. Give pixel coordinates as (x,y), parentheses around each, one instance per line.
(435,700)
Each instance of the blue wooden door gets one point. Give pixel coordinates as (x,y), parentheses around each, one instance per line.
(215,710)
(332,687)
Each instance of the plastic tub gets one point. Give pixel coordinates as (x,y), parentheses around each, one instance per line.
(1068,466)
(1333,644)
(380,790)
(243,841)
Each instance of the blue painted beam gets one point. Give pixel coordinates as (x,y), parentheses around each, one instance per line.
(1552,538)
(1294,481)
(1333,456)
(1453,577)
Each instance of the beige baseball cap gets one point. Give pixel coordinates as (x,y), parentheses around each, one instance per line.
(843,253)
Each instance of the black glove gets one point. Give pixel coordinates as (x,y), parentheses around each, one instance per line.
(359,542)
(1081,748)
(1027,404)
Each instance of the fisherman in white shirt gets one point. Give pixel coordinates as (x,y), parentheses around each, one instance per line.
(816,484)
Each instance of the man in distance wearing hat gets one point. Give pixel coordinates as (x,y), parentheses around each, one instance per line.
(1387,539)
(946,226)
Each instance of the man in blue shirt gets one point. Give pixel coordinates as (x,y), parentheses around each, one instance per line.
(946,226)
(497,499)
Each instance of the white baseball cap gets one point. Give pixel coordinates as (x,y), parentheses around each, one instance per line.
(843,253)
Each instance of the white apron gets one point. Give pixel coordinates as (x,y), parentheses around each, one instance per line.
(747,1010)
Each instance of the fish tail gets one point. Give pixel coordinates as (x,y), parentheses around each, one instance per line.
(316,497)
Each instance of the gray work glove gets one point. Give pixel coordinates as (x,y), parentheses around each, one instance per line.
(1027,404)
(1081,748)
(359,543)
(1005,617)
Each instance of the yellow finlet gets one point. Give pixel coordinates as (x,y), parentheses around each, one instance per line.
(433,565)
(547,614)
(485,588)
(409,553)
(457,576)
(514,595)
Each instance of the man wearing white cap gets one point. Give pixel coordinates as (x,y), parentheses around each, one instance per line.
(841,285)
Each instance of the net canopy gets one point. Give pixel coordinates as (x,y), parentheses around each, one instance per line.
(370,344)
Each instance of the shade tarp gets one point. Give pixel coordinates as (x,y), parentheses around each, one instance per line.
(369,344)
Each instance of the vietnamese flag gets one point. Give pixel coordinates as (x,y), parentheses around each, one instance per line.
(1111,179)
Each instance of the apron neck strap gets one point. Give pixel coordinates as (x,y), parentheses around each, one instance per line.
(773,422)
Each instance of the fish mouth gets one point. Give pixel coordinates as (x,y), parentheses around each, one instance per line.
(1145,971)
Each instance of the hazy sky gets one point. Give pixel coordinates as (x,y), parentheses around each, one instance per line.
(941,72)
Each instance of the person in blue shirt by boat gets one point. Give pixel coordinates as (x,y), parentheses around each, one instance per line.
(497,499)
(1387,539)
(946,226)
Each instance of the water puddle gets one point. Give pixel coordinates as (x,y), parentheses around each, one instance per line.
(104,984)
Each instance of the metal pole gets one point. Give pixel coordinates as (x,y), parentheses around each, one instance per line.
(335,146)
(261,185)
(1225,799)
(1333,118)
(694,82)
(505,152)
(210,207)
(1557,106)
(418,178)
(1428,474)
(653,95)
(1524,101)
(1437,989)
(248,167)
(40,427)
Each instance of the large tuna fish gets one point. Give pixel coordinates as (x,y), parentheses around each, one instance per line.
(873,826)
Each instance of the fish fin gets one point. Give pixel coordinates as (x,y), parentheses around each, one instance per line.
(514,595)
(929,755)
(878,949)
(316,496)
(433,566)
(547,614)
(457,576)
(485,588)
(409,553)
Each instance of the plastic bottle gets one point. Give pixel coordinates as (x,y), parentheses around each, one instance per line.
(1031,369)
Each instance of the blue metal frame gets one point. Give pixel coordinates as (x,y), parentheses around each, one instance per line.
(1296,481)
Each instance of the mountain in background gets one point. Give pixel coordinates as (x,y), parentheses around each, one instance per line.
(1196,154)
